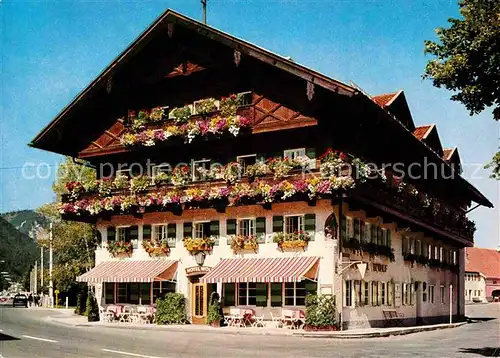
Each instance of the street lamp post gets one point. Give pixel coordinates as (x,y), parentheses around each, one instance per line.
(51,288)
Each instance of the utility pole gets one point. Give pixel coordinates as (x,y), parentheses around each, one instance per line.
(36,277)
(204,5)
(41,268)
(51,288)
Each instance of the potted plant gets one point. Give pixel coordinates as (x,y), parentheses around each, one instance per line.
(195,245)
(139,184)
(120,248)
(181,115)
(240,243)
(298,239)
(205,106)
(213,313)
(156,247)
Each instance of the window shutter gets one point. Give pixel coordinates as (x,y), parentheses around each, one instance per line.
(390,289)
(356,229)
(111,233)
(367,233)
(133,235)
(277,223)
(146,232)
(350,228)
(343,229)
(260,230)
(310,225)
(188,229)
(373,229)
(172,234)
(231,226)
(380,237)
(361,231)
(404,248)
(214,231)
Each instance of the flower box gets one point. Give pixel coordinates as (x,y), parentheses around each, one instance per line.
(156,247)
(120,248)
(244,243)
(292,244)
(195,245)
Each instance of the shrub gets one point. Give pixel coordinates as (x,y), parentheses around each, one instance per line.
(213,314)
(320,311)
(92,311)
(171,309)
(81,303)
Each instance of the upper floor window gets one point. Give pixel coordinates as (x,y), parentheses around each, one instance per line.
(294,153)
(124,172)
(294,223)
(162,168)
(245,160)
(201,229)
(128,234)
(246,98)
(198,168)
(246,227)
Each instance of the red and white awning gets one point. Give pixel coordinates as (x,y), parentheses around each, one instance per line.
(285,269)
(131,271)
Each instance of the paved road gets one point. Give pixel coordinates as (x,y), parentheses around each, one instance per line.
(28,333)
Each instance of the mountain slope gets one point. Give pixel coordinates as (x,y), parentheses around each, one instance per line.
(17,249)
(25,221)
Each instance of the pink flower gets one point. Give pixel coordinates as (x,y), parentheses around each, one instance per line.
(300,186)
(324,187)
(244,122)
(204,126)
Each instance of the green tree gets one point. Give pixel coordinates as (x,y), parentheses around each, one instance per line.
(73,243)
(467,60)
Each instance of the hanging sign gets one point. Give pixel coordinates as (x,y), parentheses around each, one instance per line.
(379,267)
(197,270)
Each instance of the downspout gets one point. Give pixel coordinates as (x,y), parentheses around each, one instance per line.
(339,258)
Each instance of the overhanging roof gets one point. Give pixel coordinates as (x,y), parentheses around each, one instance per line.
(170,16)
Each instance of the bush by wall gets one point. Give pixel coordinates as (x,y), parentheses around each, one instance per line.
(213,314)
(320,312)
(92,311)
(171,309)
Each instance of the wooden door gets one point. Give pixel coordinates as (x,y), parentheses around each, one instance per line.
(199,303)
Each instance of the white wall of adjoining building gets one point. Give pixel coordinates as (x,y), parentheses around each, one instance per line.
(475,287)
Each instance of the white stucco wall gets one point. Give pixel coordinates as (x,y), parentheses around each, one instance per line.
(475,287)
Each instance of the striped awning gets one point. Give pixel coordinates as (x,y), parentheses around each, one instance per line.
(131,271)
(285,269)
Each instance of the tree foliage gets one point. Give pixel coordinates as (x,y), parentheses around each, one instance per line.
(467,60)
(73,243)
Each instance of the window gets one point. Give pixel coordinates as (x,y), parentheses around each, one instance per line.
(294,224)
(246,227)
(348,293)
(229,292)
(133,293)
(161,288)
(197,169)
(454,257)
(296,292)
(436,252)
(441,256)
(162,168)
(128,234)
(124,172)
(366,232)
(201,230)
(109,295)
(366,293)
(246,98)
(294,153)
(417,250)
(165,233)
(248,292)
(350,227)
(246,160)
(358,230)
(383,293)
(160,232)
(145,298)
(431,294)
(442,293)
(121,296)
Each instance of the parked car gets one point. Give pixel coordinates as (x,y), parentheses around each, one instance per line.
(20,300)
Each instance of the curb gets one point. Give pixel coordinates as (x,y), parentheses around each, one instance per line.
(336,335)
(397,332)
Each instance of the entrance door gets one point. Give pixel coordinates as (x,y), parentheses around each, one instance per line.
(199,303)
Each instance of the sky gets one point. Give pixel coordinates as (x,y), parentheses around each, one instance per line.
(51,50)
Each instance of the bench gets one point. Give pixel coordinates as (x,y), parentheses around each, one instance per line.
(392,317)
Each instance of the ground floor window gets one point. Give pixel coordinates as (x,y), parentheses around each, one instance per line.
(274,294)
(442,293)
(142,293)
(431,294)
(348,293)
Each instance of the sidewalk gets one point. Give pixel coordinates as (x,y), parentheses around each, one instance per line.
(80,321)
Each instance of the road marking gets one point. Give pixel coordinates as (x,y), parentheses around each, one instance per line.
(39,339)
(128,354)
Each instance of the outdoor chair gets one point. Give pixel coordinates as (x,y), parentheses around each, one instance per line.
(258,321)
(106,316)
(277,322)
(126,315)
(237,317)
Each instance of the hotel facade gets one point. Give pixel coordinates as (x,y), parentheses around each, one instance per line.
(224,167)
